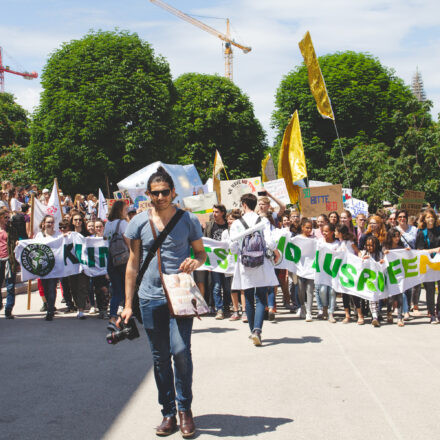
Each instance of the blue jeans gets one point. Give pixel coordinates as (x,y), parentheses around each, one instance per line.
(271,297)
(256,302)
(10,286)
(117,278)
(327,296)
(318,297)
(219,281)
(169,336)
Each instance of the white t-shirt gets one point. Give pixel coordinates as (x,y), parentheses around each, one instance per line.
(110,228)
(250,277)
(15,205)
(43,238)
(348,246)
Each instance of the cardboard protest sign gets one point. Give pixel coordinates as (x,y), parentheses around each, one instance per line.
(118,195)
(320,200)
(144,205)
(412,201)
(232,190)
(111,201)
(203,219)
(279,190)
(200,204)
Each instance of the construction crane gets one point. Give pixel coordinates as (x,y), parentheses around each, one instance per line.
(3,69)
(224,37)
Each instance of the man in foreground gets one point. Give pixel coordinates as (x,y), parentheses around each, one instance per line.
(167,335)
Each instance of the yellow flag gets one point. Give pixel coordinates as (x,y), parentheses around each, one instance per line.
(218,166)
(267,169)
(292,161)
(316,80)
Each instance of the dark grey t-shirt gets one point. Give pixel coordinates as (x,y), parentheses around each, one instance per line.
(174,249)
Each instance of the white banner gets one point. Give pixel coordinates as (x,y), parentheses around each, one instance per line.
(232,190)
(343,271)
(62,256)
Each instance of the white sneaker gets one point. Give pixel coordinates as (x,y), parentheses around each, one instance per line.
(298,313)
(81,315)
(309,317)
(92,311)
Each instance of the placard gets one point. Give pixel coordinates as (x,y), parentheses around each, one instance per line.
(232,190)
(277,189)
(320,200)
(412,201)
(118,195)
(111,201)
(144,205)
(200,204)
(356,207)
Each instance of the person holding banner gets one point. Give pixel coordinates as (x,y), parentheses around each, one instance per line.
(333,218)
(8,264)
(255,281)
(375,228)
(348,244)
(47,233)
(306,287)
(326,293)
(79,283)
(428,238)
(321,221)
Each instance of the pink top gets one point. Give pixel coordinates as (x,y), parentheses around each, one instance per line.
(317,233)
(3,244)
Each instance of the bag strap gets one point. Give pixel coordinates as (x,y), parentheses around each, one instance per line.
(117,226)
(426,238)
(246,226)
(157,243)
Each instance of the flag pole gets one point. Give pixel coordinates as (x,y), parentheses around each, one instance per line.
(342,153)
(29,287)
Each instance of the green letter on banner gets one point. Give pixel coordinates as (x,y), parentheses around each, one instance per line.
(393,272)
(327,265)
(103,256)
(296,256)
(91,256)
(367,277)
(222,254)
(409,265)
(315,264)
(281,244)
(347,270)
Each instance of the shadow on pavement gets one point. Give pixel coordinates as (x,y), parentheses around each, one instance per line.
(303,340)
(61,380)
(214,330)
(228,425)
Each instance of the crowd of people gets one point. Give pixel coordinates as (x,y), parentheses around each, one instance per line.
(227,295)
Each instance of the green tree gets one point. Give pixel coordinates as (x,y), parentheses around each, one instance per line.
(368,100)
(104,111)
(14,138)
(14,123)
(212,113)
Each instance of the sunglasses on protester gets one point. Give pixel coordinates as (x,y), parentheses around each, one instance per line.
(164,192)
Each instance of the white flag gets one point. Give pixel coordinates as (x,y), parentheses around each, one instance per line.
(53,207)
(102,206)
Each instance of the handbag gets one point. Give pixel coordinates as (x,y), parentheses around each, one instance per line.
(117,248)
(151,252)
(183,296)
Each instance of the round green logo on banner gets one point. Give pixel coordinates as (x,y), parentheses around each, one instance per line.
(38,259)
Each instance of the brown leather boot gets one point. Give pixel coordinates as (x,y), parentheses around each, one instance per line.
(187,426)
(167,427)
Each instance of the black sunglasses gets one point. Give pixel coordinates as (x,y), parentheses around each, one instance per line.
(164,192)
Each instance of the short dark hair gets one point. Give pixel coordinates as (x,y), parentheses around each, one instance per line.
(250,200)
(160,175)
(221,208)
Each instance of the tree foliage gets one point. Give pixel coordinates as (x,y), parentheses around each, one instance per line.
(212,113)
(388,137)
(104,110)
(14,123)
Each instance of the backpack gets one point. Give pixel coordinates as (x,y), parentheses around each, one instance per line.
(118,250)
(253,248)
(18,222)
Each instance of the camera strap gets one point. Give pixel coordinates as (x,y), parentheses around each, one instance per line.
(157,244)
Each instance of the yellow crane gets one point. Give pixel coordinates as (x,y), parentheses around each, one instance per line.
(224,37)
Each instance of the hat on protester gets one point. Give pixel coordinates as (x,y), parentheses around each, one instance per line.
(45,190)
(131,208)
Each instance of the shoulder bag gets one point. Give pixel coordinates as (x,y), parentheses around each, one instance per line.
(183,296)
(156,245)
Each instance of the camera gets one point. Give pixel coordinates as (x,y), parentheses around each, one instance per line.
(128,331)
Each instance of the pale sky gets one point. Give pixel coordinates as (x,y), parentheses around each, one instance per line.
(402,34)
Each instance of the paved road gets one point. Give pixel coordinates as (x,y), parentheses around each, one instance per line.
(60,380)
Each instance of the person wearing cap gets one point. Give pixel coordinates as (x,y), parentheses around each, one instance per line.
(131,212)
(45,197)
